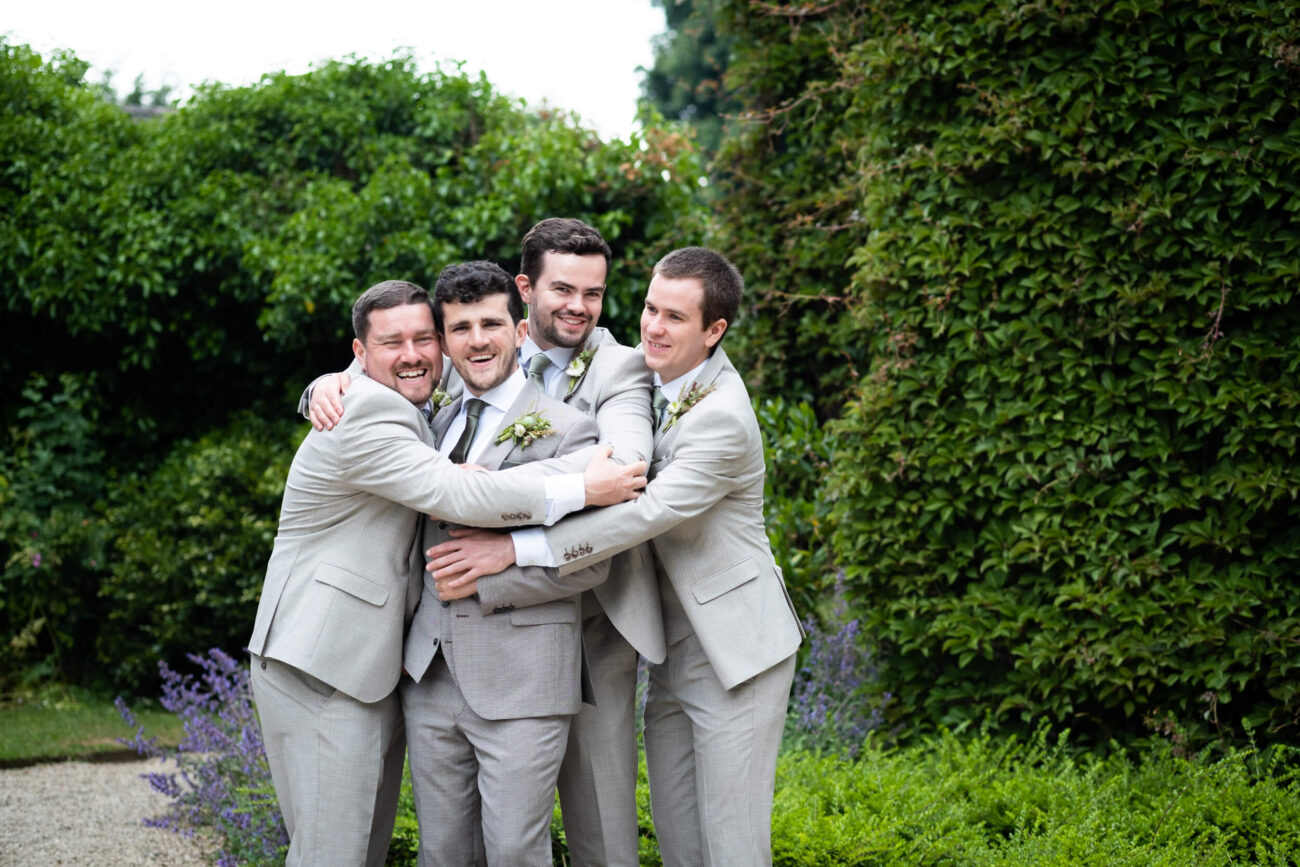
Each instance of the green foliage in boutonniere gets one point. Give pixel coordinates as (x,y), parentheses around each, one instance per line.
(693,395)
(437,401)
(526,429)
(578,366)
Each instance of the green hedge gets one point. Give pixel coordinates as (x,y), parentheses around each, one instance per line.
(1066,481)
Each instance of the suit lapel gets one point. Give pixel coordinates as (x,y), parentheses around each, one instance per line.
(717,363)
(497,453)
(442,420)
(599,337)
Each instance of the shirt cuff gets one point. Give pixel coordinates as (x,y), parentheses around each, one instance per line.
(564,494)
(531,547)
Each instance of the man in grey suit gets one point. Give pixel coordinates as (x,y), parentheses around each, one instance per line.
(343,580)
(563,269)
(716,705)
(492,691)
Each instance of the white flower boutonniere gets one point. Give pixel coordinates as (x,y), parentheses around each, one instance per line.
(693,395)
(526,429)
(437,401)
(578,366)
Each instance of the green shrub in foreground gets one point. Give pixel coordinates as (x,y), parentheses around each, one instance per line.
(974,800)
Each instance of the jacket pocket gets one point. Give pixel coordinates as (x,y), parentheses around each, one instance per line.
(351,583)
(721,582)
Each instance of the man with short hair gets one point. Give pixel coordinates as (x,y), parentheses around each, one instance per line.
(715,708)
(344,577)
(563,267)
(491,692)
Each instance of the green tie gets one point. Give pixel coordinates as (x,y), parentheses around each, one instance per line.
(537,368)
(658,403)
(472,410)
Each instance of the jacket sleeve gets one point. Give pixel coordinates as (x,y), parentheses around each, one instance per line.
(381,452)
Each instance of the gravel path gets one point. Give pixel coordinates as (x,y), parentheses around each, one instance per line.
(87,813)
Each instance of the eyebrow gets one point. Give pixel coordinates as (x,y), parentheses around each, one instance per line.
(486,320)
(380,336)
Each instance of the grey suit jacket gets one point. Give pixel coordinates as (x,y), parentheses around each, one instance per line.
(344,571)
(615,390)
(703,512)
(515,661)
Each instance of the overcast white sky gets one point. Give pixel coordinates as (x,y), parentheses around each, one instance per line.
(580,55)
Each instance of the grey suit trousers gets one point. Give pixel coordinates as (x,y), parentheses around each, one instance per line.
(336,764)
(598,778)
(468,770)
(711,757)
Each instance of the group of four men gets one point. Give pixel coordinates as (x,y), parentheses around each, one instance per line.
(509,667)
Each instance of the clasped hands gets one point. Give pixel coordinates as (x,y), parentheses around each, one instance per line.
(457,564)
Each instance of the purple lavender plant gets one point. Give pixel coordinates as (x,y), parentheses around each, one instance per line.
(224,781)
(832,699)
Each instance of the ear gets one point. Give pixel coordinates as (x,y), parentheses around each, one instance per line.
(714,333)
(525,288)
(521,331)
(359,350)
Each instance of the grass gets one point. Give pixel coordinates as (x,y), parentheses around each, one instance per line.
(66,722)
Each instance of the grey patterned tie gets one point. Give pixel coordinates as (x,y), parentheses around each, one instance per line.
(658,403)
(472,410)
(537,369)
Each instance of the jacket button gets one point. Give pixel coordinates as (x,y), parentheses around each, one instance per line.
(445,604)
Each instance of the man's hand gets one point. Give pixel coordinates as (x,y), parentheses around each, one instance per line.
(469,555)
(327,400)
(608,483)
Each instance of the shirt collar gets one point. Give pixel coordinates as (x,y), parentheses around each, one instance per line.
(673,390)
(560,356)
(503,396)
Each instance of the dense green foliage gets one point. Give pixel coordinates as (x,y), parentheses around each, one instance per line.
(1049,254)
(161,277)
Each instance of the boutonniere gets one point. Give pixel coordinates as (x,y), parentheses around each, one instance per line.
(526,430)
(437,401)
(693,395)
(578,366)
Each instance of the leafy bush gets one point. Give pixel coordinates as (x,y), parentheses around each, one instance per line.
(979,801)
(191,543)
(50,482)
(1064,241)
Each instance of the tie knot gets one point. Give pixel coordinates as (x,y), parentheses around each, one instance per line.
(537,369)
(474,407)
(658,403)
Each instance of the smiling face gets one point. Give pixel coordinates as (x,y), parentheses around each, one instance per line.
(674,337)
(482,341)
(401,351)
(566,300)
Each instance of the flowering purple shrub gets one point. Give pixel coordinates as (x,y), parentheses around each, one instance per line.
(224,781)
(834,703)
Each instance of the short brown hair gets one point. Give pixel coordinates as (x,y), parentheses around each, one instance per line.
(720,279)
(381,296)
(560,235)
